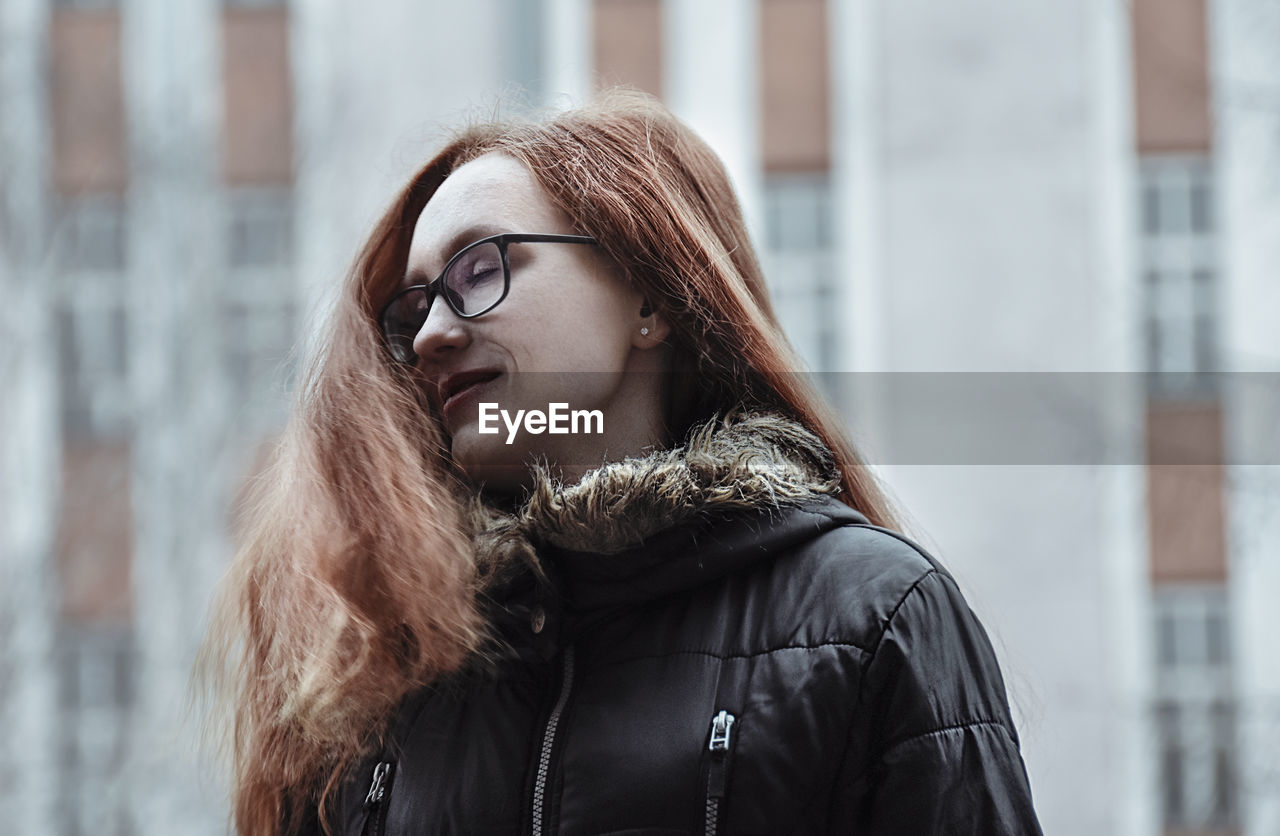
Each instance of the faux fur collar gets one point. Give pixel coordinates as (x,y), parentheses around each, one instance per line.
(746,460)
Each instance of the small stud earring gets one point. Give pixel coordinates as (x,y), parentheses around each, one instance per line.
(644,332)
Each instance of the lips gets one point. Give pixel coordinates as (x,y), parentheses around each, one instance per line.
(452,386)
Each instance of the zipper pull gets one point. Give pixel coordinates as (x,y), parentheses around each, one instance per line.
(717,774)
(721,744)
(378,789)
(375,812)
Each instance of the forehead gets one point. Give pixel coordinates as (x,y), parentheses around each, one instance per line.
(493,193)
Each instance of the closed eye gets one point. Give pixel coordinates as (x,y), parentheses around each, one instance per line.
(480,276)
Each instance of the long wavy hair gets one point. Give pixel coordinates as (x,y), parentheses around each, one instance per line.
(354,582)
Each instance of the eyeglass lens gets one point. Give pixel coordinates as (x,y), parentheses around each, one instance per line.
(474,282)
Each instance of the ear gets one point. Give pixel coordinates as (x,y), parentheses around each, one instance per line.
(649,329)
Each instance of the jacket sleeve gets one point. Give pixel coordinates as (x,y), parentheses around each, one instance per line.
(933,749)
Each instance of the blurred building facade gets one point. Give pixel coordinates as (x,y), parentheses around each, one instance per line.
(939,191)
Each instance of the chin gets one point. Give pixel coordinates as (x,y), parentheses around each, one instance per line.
(501,479)
(496,467)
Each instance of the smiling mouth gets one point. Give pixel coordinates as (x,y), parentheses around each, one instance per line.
(465,386)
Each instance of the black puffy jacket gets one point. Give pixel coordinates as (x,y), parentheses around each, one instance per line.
(768,665)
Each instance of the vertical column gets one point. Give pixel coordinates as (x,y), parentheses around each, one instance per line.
(982,173)
(856,113)
(320,228)
(857,204)
(1115,359)
(29,442)
(567,36)
(710,81)
(171,81)
(1246,64)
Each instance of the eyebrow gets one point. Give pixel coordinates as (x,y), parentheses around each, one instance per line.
(456,242)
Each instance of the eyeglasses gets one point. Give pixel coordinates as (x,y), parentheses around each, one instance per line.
(475,281)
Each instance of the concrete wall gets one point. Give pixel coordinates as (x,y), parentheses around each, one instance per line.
(1246,65)
(28,426)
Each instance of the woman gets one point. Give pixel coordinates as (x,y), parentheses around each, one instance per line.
(690,615)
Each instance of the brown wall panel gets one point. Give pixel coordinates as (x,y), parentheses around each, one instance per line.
(795,85)
(95,533)
(257,140)
(1171,76)
(86,101)
(1185,485)
(628,44)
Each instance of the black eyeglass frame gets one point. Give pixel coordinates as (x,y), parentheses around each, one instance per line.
(433,287)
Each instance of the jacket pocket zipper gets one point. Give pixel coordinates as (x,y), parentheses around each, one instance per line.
(548,742)
(378,799)
(721,747)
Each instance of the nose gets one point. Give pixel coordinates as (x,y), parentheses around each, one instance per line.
(443,332)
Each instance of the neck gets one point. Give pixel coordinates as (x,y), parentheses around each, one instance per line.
(744,460)
(633,426)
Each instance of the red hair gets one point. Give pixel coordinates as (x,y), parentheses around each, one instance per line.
(354,583)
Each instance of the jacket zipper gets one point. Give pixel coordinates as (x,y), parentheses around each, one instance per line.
(548,742)
(721,745)
(375,809)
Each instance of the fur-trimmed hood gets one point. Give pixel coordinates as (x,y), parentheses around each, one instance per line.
(745,461)
(839,649)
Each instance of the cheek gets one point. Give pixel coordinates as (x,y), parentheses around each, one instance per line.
(577,335)
(589,345)
(578,357)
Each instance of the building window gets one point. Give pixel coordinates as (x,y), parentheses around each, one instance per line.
(91,233)
(1179,272)
(260,227)
(96,677)
(259,312)
(86,4)
(91,316)
(93,354)
(1195,708)
(97,668)
(798,262)
(259,340)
